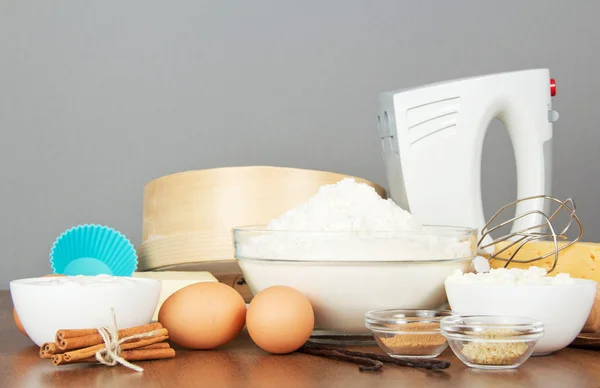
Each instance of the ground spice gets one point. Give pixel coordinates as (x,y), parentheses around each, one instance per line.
(495,353)
(425,341)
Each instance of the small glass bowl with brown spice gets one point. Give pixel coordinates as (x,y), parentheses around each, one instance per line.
(492,342)
(408,333)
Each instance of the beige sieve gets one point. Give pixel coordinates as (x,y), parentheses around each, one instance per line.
(188,216)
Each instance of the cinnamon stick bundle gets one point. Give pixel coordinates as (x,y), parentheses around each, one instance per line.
(71,333)
(79,346)
(48,349)
(68,339)
(138,354)
(89,351)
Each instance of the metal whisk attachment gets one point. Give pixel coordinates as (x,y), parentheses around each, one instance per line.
(546,229)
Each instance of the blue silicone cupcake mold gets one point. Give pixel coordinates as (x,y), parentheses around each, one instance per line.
(93,250)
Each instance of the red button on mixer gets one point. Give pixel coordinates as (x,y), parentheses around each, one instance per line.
(552,87)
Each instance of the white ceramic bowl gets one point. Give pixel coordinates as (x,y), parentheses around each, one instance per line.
(345,284)
(46,305)
(563,308)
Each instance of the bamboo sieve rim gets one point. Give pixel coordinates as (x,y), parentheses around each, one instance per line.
(144,266)
(192,237)
(375,185)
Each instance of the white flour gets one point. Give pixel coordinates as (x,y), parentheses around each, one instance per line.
(350,221)
(346,206)
(533,276)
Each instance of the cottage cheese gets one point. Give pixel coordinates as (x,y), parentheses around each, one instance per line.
(83,281)
(512,277)
(349,221)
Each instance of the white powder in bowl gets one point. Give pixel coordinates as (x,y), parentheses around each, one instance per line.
(535,276)
(346,206)
(350,221)
(85,281)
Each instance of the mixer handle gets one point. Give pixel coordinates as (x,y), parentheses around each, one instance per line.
(533,154)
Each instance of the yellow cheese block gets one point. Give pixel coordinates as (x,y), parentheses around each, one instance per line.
(580,260)
(172,281)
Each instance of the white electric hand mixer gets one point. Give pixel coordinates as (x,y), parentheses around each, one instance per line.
(432,138)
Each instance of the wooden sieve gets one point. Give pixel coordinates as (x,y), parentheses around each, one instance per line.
(188,216)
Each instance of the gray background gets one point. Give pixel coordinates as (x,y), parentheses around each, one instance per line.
(99,97)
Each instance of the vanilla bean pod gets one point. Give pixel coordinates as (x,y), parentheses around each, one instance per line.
(410,362)
(364,364)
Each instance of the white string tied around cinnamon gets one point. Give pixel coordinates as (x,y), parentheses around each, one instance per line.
(110,354)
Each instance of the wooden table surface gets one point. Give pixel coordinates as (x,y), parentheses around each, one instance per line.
(242,364)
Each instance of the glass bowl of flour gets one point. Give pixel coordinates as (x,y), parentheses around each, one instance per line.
(351,251)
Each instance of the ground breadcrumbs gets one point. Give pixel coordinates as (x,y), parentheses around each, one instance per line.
(495,353)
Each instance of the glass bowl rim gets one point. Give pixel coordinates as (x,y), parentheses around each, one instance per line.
(377,317)
(436,230)
(527,328)
(448,231)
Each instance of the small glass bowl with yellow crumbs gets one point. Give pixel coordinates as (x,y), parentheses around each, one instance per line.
(405,333)
(492,342)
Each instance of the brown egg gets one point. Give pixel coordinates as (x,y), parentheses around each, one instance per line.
(280,319)
(18,322)
(16,317)
(203,315)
